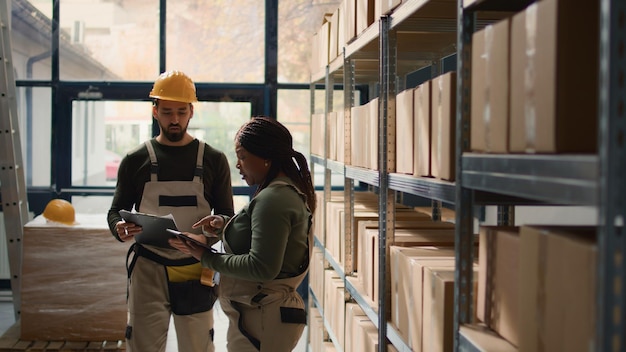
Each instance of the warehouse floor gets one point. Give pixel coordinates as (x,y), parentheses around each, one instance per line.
(7,319)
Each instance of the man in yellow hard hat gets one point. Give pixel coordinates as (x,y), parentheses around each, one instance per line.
(173,173)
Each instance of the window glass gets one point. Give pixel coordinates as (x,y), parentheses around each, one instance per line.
(104,131)
(216,123)
(33,111)
(298,21)
(108,40)
(29,43)
(218,40)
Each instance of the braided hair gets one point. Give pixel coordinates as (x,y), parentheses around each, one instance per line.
(267,138)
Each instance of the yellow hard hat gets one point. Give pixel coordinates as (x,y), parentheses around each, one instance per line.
(174,86)
(60,210)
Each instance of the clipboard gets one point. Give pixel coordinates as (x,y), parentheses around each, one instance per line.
(184,237)
(154,228)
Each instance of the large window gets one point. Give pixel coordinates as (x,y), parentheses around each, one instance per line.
(298,20)
(104,131)
(84,76)
(217,40)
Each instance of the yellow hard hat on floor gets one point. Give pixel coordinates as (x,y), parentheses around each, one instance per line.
(60,210)
(174,86)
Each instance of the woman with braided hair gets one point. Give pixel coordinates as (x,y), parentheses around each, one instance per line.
(267,244)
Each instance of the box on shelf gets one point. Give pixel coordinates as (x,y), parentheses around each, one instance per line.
(73,281)
(443,152)
(438,310)
(557,308)
(404,132)
(332,135)
(317,333)
(334,305)
(422,134)
(317,134)
(490,89)
(384,7)
(354,313)
(485,339)
(364,15)
(554,81)
(333,44)
(365,335)
(348,13)
(341,136)
(372,135)
(406,284)
(404,220)
(498,280)
(359,122)
(423,236)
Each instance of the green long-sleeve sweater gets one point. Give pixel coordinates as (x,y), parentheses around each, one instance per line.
(267,238)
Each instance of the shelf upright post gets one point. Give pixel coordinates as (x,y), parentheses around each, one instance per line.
(611,294)
(464,236)
(436,70)
(348,183)
(328,105)
(386,165)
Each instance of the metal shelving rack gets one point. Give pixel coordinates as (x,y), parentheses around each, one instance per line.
(595,180)
(416,34)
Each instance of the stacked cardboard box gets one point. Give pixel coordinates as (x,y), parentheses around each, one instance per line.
(73,281)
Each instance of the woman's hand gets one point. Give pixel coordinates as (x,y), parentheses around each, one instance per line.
(127,230)
(189,247)
(211,224)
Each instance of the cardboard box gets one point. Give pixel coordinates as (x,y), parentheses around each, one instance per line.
(316,273)
(419,269)
(409,238)
(359,141)
(354,313)
(560,100)
(318,135)
(438,308)
(422,133)
(364,15)
(498,280)
(366,336)
(517,125)
(324,45)
(372,135)
(348,13)
(404,132)
(443,152)
(73,281)
(333,45)
(490,89)
(485,340)
(362,245)
(341,136)
(332,135)
(384,7)
(317,333)
(558,288)
(404,284)
(438,328)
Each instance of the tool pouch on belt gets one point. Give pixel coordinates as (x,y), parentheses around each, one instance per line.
(189,297)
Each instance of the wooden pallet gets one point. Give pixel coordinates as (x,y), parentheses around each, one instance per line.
(11,342)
